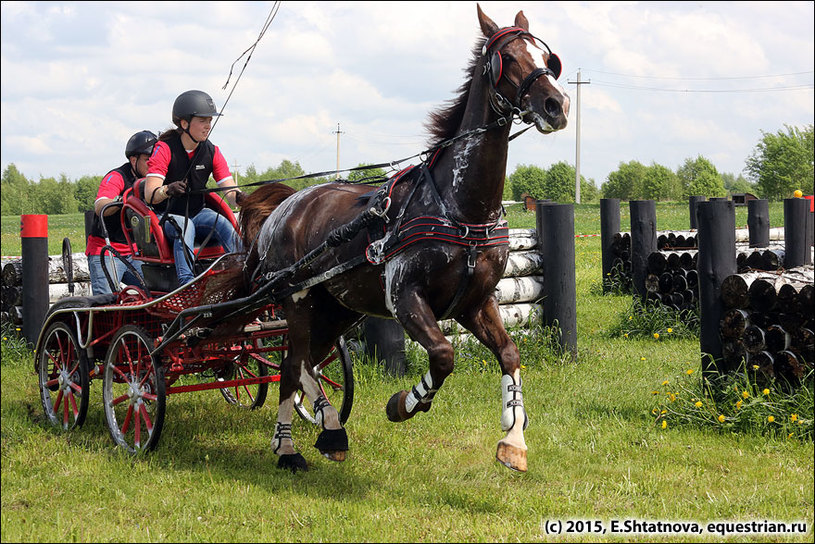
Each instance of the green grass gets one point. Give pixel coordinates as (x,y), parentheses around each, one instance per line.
(596,452)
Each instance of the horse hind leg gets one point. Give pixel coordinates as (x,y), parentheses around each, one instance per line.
(282,442)
(333,440)
(486,324)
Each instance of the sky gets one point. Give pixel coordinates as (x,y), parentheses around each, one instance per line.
(667,81)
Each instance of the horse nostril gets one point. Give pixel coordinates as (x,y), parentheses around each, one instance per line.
(552,107)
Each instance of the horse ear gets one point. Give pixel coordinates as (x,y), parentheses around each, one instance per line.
(488,27)
(520,20)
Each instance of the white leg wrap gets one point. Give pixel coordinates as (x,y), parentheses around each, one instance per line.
(512,407)
(422,392)
(282,442)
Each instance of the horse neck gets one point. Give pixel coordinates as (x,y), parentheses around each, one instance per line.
(470,173)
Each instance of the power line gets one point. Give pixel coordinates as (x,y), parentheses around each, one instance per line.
(701,78)
(602,83)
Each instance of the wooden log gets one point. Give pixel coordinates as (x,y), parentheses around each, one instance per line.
(12,270)
(734,291)
(733,323)
(524,263)
(776,338)
(762,295)
(733,352)
(753,339)
(522,239)
(512,315)
(652,283)
(524,289)
(656,263)
(788,365)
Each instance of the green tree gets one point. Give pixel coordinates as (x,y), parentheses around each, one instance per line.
(699,177)
(16,192)
(54,197)
(373,175)
(660,183)
(527,179)
(85,191)
(588,191)
(558,182)
(736,184)
(627,182)
(783,162)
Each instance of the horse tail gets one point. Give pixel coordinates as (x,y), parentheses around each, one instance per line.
(258,206)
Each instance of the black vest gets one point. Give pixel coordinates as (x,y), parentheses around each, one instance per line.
(196,175)
(113,222)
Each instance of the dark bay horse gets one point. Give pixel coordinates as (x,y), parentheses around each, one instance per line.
(433,244)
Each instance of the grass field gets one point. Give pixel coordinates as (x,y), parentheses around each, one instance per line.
(596,452)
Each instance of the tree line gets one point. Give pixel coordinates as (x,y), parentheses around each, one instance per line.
(780,163)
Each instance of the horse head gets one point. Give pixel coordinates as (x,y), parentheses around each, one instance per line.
(522,67)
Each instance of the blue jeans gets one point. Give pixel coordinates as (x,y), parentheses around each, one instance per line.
(197,229)
(99,283)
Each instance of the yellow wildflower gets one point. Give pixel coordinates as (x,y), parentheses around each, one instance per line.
(630,317)
(655,392)
(665,382)
(789,435)
(721,418)
(755,367)
(523,367)
(770,419)
(794,417)
(670,329)
(672,397)
(663,412)
(625,335)
(689,371)
(745,394)
(664,424)
(642,358)
(698,404)
(738,405)
(766,392)
(656,336)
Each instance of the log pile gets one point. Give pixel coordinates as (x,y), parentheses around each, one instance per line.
(767,322)
(672,279)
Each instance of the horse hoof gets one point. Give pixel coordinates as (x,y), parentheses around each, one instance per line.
(338,456)
(396,407)
(333,443)
(292,462)
(511,456)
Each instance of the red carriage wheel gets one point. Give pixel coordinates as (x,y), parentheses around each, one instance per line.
(335,375)
(133,393)
(63,377)
(246,396)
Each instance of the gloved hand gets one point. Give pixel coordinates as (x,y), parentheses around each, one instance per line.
(240,197)
(177,188)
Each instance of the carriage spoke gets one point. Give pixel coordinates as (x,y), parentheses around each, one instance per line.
(128,417)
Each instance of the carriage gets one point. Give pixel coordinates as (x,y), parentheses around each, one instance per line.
(147,342)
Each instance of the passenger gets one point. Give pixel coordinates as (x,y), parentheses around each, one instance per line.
(182,162)
(138,149)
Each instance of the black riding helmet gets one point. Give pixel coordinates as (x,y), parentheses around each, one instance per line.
(193,104)
(141,143)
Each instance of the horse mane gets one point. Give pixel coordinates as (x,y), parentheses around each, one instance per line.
(444,122)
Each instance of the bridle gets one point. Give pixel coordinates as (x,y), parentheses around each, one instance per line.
(493,68)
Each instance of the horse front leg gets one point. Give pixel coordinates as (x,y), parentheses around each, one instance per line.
(282,441)
(486,324)
(417,318)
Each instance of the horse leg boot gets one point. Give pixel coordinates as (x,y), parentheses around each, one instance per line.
(333,440)
(512,448)
(282,442)
(486,324)
(423,329)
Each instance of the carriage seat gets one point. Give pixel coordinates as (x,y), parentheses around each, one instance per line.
(145,235)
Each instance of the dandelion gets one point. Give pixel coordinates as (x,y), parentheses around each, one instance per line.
(656,336)
(672,396)
(523,367)
(654,412)
(698,404)
(665,382)
(766,392)
(664,424)
(642,358)
(745,394)
(789,435)
(655,392)
(670,330)
(794,417)
(738,405)
(625,335)
(755,367)
(689,371)
(770,419)
(721,418)
(630,317)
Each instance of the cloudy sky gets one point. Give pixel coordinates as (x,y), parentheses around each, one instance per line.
(668,80)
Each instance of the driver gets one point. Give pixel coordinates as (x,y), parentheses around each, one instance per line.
(182,162)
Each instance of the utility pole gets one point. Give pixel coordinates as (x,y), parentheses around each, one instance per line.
(235,167)
(338,132)
(579,82)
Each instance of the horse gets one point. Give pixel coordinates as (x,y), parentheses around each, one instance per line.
(429,244)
